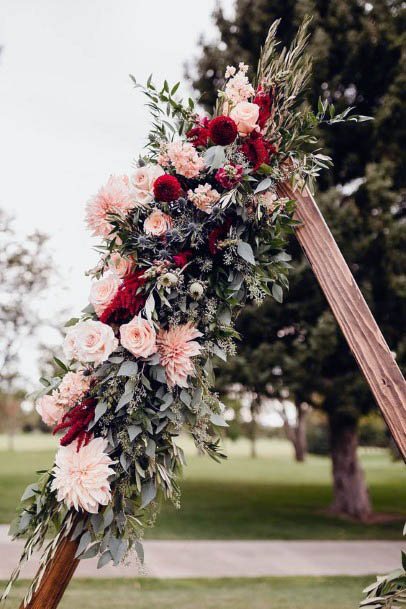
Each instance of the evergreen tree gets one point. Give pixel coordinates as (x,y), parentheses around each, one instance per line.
(358,60)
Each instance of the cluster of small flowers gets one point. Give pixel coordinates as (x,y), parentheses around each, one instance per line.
(238,88)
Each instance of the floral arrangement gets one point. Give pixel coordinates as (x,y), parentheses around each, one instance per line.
(195,232)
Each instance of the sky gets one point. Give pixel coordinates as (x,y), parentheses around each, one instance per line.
(70,117)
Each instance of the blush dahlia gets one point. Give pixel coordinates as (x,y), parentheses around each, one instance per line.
(167,188)
(222,130)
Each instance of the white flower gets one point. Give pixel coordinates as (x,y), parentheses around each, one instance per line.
(81,476)
(142,182)
(90,341)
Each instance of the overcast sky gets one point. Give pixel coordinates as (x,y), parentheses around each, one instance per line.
(69,116)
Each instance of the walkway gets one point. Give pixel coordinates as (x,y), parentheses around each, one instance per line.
(216,558)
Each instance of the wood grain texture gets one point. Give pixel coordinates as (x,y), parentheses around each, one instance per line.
(352,313)
(56,577)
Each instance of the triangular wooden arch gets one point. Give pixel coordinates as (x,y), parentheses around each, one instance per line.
(360,330)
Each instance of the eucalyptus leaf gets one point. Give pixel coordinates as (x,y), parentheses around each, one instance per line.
(245,251)
(128,368)
(148,493)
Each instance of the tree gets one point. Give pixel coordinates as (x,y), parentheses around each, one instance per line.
(361,200)
(24,273)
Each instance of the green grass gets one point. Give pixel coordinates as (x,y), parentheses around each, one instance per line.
(271,497)
(256,593)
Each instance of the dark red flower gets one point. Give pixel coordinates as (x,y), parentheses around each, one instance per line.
(222,130)
(127,302)
(229,175)
(264,101)
(199,136)
(167,188)
(216,234)
(76,422)
(256,149)
(182,258)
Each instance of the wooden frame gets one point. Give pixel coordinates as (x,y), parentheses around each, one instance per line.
(360,330)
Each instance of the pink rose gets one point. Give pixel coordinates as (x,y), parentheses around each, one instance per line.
(138,337)
(103,291)
(245,115)
(90,341)
(157,223)
(120,265)
(49,410)
(142,181)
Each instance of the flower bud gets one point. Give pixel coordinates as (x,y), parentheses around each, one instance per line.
(196,290)
(168,279)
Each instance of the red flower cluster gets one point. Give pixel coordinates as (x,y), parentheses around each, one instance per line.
(76,421)
(182,258)
(167,188)
(222,130)
(264,101)
(229,175)
(199,135)
(257,149)
(127,302)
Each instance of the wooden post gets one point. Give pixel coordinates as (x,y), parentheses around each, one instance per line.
(56,577)
(360,330)
(352,313)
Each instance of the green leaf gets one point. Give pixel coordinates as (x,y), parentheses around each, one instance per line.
(99,411)
(83,543)
(218,420)
(105,558)
(133,431)
(245,251)
(30,491)
(277,292)
(263,185)
(128,368)
(148,493)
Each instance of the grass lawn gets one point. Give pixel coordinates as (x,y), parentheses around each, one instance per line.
(258,593)
(271,497)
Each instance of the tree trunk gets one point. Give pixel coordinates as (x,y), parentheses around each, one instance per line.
(297,434)
(351,497)
(253,428)
(253,438)
(300,433)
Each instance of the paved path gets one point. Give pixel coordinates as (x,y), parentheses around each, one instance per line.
(215,558)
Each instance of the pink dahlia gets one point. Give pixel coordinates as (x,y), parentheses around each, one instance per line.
(81,477)
(176,347)
(113,198)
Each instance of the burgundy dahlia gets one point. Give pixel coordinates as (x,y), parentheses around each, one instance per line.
(222,130)
(167,188)
(198,136)
(257,149)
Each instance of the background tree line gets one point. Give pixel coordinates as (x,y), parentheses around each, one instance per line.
(297,349)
